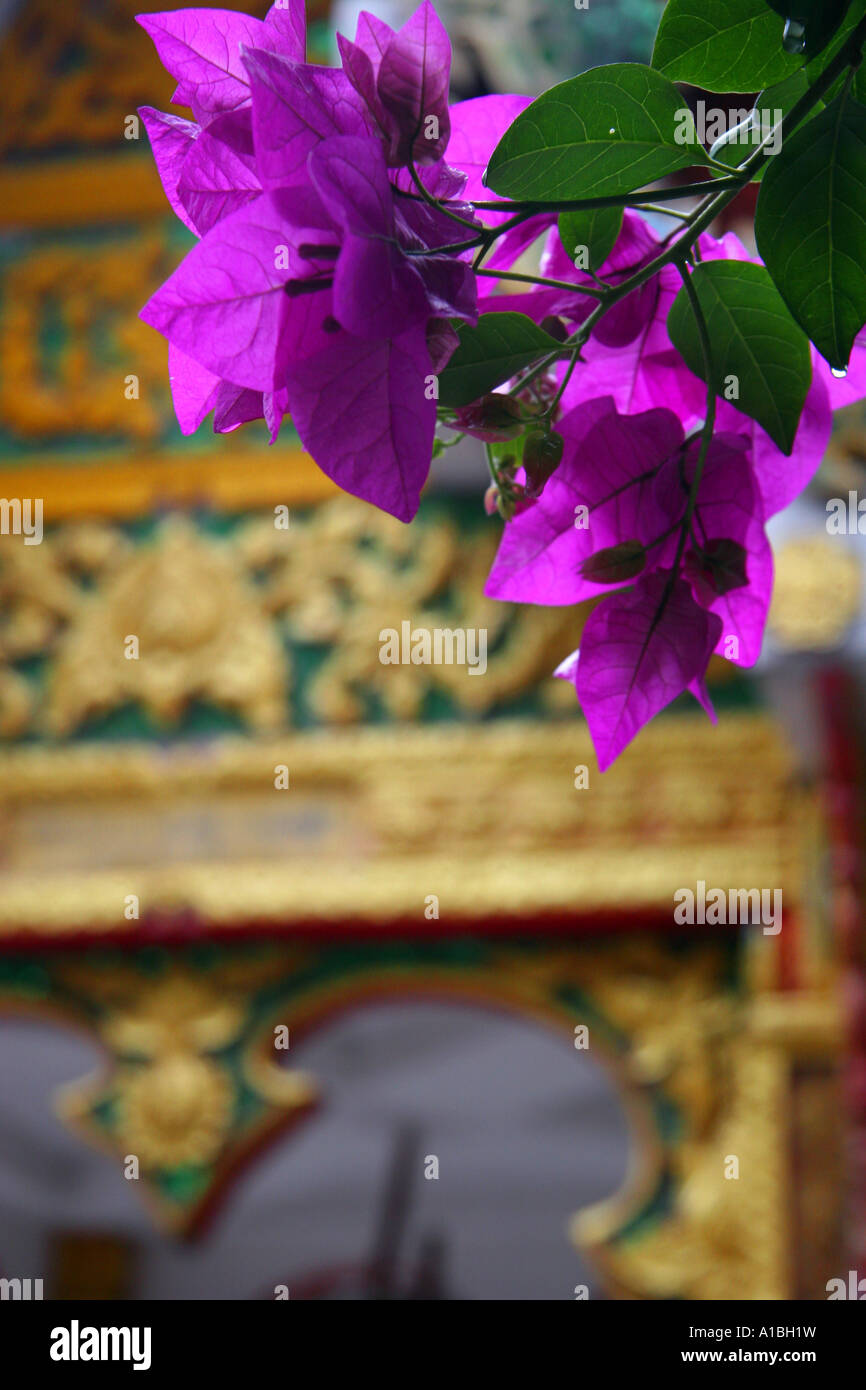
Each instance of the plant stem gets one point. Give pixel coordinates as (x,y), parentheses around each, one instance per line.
(613,200)
(709,423)
(679,251)
(568,285)
(427,197)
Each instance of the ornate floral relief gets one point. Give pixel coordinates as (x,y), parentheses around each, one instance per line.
(728,1167)
(373,574)
(86,299)
(113,71)
(170,1097)
(217,618)
(201,634)
(89,102)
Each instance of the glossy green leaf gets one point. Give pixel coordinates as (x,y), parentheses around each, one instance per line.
(810,227)
(723,45)
(761,359)
(595,229)
(611,130)
(782,97)
(495,349)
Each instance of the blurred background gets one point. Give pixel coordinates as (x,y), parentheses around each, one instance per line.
(326,979)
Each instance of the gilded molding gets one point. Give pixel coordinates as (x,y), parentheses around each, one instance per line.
(485,817)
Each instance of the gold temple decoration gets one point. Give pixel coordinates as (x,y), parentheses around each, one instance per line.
(806,571)
(725,1061)
(375,820)
(85,391)
(117,71)
(86,106)
(168,1081)
(200,632)
(212,616)
(487,817)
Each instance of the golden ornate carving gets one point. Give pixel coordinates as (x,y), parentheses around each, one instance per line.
(200,632)
(729,1066)
(87,105)
(170,1089)
(172,1095)
(213,616)
(84,390)
(807,570)
(372,573)
(707,1247)
(48,101)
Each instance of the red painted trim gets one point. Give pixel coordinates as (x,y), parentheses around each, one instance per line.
(846,813)
(180,930)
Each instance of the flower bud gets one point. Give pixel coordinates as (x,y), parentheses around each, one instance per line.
(615,564)
(493,417)
(542,454)
(715,570)
(556,327)
(491,500)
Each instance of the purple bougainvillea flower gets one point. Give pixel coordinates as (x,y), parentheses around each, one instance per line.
(421,224)
(729,508)
(219,175)
(171,139)
(359,403)
(236,406)
(202,51)
(627,478)
(402,78)
(226,304)
(316,280)
(412,84)
(361,410)
(295,106)
(646,369)
(640,650)
(377,290)
(602,493)
(193,389)
(635,247)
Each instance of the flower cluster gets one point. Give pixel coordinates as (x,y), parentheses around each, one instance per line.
(342,222)
(316,288)
(611,517)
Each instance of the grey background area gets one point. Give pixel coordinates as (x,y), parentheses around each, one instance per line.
(526,1129)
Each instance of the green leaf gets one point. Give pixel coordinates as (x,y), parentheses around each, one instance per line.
(783,96)
(723,45)
(810,227)
(609,131)
(814,69)
(498,347)
(752,339)
(596,229)
(820,18)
